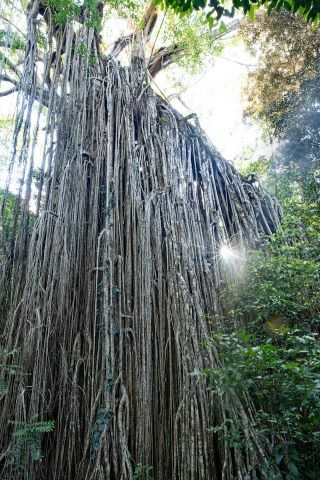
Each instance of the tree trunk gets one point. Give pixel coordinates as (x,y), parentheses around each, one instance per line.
(112,292)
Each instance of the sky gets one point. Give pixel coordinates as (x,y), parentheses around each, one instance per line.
(215,95)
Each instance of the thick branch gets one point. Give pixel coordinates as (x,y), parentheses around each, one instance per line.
(121,44)
(149,20)
(164,57)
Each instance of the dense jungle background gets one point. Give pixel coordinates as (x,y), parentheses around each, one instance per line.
(159,300)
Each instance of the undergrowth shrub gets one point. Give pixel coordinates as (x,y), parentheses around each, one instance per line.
(270,346)
(26,444)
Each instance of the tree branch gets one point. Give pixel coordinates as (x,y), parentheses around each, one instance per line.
(149,20)
(164,57)
(8,92)
(121,44)
(5,78)
(41,95)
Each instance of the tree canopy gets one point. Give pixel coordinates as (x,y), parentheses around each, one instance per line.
(310,9)
(287,51)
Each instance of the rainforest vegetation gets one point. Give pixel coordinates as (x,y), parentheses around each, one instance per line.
(159,304)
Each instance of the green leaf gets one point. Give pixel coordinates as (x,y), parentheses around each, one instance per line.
(222,27)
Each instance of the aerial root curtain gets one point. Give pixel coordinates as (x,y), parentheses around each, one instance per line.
(106,295)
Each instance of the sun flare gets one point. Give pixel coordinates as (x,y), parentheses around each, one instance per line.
(227,253)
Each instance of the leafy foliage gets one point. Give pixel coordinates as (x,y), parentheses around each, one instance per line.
(310,9)
(143,472)
(7,217)
(282,377)
(132,9)
(7,369)
(26,444)
(66,10)
(11,40)
(274,354)
(284,279)
(197,41)
(299,134)
(27,436)
(287,48)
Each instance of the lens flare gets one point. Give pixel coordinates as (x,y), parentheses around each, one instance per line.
(227,253)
